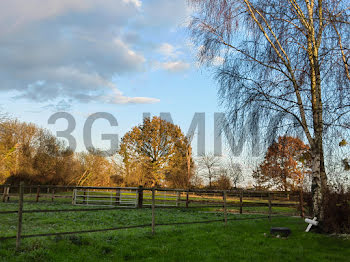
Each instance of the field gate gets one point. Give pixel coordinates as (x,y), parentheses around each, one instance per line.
(118,197)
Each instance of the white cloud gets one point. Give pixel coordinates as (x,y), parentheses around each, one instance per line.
(117,97)
(133,100)
(60,106)
(75,69)
(166,12)
(175,66)
(171,61)
(169,51)
(18,13)
(71,50)
(60,50)
(137,3)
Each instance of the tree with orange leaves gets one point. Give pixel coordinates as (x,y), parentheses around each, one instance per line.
(156,153)
(285,166)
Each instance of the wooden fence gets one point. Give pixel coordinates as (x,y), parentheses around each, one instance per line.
(148,198)
(51,193)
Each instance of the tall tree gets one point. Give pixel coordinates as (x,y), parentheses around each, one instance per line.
(288,57)
(158,151)
(96,169)
(18,142)
(234,171)
(209,164)
(285,166)
(33,154)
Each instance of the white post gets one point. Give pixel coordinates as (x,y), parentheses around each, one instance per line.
(311,223)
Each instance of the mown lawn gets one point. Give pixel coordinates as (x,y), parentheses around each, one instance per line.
(241,240)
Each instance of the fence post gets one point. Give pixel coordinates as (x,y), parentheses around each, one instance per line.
(153,211)
(53,195)
(187,198)
(270,206)
(140,197)
(241,202)
(4,194)
(74,196)
(8,193)
(37,193)
(84,197)
(117,197)
(178,198)
(20,209)
(225,210)
(301,202)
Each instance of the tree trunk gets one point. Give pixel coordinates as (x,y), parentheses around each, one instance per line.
(319,182)
(209,178)
(319,178)
(189,156)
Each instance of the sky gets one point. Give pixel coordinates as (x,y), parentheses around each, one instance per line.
(124,57)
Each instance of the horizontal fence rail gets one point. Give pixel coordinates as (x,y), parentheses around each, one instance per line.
(122,198)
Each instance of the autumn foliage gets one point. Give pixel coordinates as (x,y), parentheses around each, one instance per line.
(32,154)
(156,153)
(285,166)
(153,153)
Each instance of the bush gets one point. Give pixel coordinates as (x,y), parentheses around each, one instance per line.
(222,183)
(336,212)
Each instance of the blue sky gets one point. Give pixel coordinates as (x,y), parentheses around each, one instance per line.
(124,57)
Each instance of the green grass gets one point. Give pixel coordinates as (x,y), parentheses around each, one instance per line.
(241,240)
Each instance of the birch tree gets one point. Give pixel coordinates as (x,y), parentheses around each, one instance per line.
(234,172)
(209,164)
(289,57)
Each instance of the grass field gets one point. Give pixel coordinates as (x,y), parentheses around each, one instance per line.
(241,240)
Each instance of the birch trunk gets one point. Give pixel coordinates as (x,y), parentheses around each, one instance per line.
(319,177)
(318,182)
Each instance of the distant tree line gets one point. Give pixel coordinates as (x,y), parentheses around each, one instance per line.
(155,153)
(34,155)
